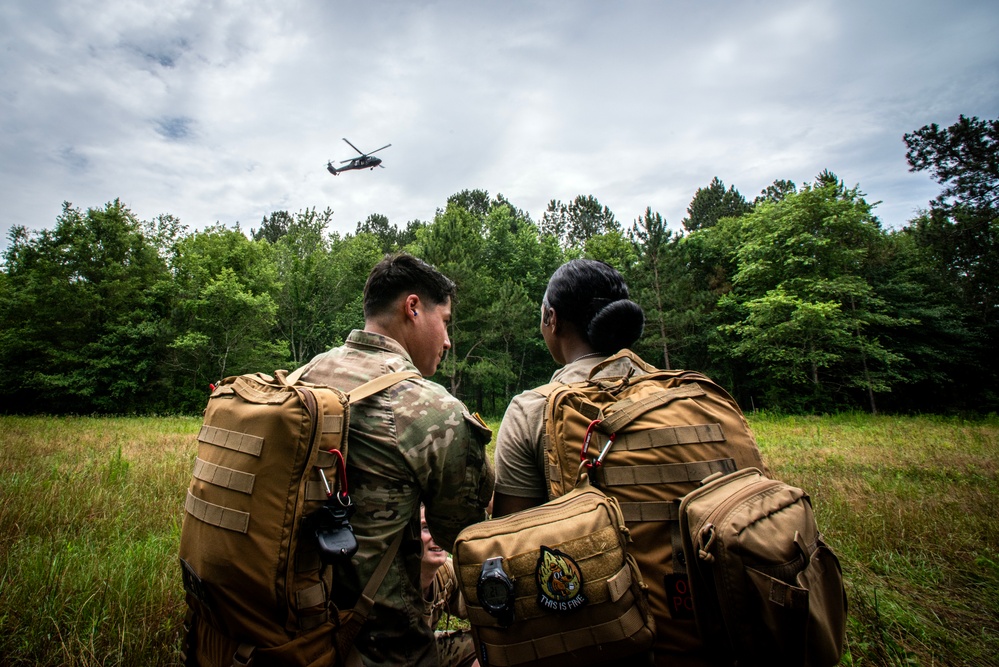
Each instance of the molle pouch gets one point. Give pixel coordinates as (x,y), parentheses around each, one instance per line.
(553,585)
(766,588)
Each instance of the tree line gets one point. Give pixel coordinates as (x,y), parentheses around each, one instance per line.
(797,301)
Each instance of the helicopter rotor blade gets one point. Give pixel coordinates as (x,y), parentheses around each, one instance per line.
(378,149)
(353,146)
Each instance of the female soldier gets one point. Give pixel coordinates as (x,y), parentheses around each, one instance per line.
(586,316)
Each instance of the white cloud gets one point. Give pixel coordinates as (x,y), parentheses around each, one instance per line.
(227,111)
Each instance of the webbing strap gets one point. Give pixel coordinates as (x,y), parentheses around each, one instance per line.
(311,596)
(313,621)
(788,596)
(660,510)
(379,384)
(367,599)
(666,473)
(617,420)
(234,440)
(227,478)
(563,642)
(216,515)
(325,459)
(619,584)
(676,542)
(315,490)
(669,436)
(243,655)
(332,423)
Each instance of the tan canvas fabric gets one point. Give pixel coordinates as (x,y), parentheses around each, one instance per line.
(670,429)
(579,599)
(267,459)
(767,587)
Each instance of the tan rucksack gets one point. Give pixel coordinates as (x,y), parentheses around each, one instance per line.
(767,589)
(648,439)
(267,512)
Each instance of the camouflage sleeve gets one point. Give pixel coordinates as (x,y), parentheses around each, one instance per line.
(451,464)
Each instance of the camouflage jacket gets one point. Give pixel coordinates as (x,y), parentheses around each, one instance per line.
(411,443)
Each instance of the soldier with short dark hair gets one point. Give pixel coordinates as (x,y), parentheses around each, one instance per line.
(412,443)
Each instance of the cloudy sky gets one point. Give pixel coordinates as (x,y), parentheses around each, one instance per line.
(226,111)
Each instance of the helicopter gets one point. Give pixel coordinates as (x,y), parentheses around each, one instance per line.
(366,161)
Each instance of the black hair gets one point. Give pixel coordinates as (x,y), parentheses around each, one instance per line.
(402,274)
(592,297)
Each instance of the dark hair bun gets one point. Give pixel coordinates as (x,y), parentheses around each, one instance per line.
(615,326)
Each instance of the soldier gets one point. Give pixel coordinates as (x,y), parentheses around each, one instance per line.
(409,444)
(443,599)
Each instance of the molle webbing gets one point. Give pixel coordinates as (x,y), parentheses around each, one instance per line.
(564,642)
(655,510)
(666,473)
(238,442)
(669,436)
(623,413)
(227,478)
(216,515)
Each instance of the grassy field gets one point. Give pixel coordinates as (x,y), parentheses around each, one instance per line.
(90,515)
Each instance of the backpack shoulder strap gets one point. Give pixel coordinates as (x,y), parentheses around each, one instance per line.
(381,383)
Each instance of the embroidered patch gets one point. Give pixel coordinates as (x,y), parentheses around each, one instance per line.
(560,582)
(681,603)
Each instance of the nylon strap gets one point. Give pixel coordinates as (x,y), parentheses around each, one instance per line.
(621,418)
(227,478)
(676,542)
(243,655)
(379,384)
(234,440)
(332,423)
(311,596)
(564,642)
(619,584)
(216,515)
(660,510)
(667,473)
(315,490)
(367,600)
(669,436)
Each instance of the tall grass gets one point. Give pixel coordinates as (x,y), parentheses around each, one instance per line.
(91,508)
(90,513)
(910,505)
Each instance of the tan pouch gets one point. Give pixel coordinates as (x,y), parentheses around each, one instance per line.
(578,598)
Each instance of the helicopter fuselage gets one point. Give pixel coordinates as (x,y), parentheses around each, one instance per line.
(365,161)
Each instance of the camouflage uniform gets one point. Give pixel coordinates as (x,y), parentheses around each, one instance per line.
(455,648)
(412,443)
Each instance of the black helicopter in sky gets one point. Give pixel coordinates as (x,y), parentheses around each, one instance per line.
(366,161)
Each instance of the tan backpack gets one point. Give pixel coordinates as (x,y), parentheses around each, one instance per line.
(267,512)
(648,440)
(766,587)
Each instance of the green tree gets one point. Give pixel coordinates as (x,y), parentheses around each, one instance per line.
(273,227)
(801,305)
(573,224)
(225,317)
(776,191)
(84,308)
(651,283)
(712,203)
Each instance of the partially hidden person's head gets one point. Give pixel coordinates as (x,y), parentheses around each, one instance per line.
(590,299)
(411,301)
(433,555)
